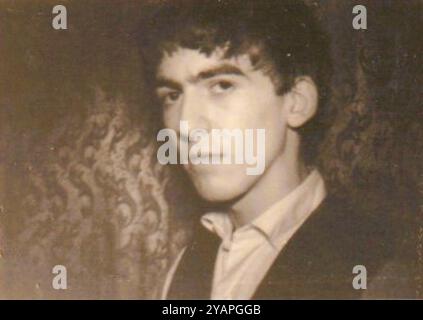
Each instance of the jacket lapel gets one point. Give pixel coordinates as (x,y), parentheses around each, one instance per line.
(194,275)
(318,260)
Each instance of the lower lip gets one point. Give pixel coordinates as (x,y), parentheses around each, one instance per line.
(210,164)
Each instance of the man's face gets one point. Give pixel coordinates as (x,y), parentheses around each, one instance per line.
(212,92)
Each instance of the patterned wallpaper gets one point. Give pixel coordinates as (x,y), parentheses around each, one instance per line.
(80,184)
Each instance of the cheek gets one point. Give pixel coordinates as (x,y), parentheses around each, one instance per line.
(275,126)
(268,115)
(239,111)
(254,111)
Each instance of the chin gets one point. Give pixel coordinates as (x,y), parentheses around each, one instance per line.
(221,184)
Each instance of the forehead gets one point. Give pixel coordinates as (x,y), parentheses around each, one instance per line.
(183,63)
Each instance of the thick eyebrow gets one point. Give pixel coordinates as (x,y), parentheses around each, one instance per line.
(164,82)
(224,69)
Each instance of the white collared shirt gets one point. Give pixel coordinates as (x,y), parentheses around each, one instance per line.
(246,254)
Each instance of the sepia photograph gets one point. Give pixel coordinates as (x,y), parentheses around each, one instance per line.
(211,150)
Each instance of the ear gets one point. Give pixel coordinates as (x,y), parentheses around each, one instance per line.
(304,99)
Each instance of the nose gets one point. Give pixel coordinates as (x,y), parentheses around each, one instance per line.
(194,111)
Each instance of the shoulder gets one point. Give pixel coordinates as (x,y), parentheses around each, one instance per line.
(339,236)
(349,230)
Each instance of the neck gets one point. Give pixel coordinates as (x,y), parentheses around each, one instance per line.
(284,174)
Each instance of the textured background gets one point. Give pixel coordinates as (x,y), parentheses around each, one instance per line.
(79,183)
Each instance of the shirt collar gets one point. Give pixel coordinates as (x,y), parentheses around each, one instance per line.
(284,216)
(291,211)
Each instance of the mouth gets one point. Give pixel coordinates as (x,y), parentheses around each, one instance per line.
(210,156)
(208,160)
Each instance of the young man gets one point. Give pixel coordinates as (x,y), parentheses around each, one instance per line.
(259,65)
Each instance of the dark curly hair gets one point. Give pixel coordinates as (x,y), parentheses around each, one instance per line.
(285,36)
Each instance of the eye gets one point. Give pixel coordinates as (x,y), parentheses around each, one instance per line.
(173,96)
(222,86)
(168,97)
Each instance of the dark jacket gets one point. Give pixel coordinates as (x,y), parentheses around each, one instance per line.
(317,262)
